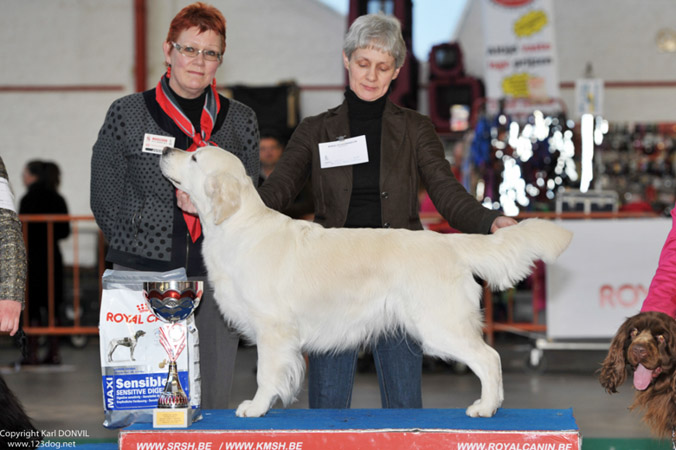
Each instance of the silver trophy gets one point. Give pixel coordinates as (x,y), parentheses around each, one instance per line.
(173,302)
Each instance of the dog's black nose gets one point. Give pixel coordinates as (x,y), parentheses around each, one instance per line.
(166,150)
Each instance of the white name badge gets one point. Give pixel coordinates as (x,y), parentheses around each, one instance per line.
(154,143)
(344,152)
(6,197)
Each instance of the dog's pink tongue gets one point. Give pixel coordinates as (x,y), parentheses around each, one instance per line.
(642,377)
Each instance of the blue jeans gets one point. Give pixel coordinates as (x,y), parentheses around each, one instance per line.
(398,361)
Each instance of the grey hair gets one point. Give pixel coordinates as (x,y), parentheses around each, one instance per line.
(377,31)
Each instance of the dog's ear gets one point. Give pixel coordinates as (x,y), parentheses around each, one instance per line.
(670,349)
(614,366)
(225,192)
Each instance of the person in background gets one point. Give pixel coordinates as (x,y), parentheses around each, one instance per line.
(271,149)
(662,291)
(42,180)
(147,223)
(401,148)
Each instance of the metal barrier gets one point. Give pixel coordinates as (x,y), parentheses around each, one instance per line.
(76,223)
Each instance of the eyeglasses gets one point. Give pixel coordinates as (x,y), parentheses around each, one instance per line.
(192,52)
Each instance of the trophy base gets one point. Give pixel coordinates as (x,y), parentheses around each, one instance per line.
(171,418)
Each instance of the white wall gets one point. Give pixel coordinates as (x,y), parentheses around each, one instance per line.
(617,37)
(61,43)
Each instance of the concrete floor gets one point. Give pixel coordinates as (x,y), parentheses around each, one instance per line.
(69,397)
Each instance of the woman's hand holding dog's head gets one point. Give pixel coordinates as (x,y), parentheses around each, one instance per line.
(184,203)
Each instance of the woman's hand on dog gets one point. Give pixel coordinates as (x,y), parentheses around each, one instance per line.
(184,203)
(501,222)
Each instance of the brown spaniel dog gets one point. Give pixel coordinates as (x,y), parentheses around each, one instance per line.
(645,347)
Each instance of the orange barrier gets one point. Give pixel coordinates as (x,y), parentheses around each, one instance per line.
(75,222)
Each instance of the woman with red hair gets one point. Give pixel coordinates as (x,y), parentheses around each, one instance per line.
(143,218)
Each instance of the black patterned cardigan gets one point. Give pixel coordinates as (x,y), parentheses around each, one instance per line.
(132,202)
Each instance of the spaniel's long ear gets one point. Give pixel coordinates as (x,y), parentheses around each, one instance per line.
(225,193)
(614,367)
(671,352)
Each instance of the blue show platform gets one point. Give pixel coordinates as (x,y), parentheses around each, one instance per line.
(391,429)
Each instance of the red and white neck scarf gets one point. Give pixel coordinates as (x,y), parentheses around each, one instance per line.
(212,105)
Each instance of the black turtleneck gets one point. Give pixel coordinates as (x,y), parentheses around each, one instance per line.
(192,107)
(366,118)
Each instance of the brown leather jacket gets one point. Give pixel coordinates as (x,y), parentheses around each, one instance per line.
(410,152)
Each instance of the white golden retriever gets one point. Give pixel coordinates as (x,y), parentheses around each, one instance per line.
(292,286)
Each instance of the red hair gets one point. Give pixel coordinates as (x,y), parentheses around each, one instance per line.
(200,15)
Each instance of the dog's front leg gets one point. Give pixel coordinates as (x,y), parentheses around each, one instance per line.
(280,372)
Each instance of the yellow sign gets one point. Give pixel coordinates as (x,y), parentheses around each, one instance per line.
(516,85)
(530,23)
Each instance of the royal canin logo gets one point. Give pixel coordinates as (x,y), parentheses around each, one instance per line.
(146,317)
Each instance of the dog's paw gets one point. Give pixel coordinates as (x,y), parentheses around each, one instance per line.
(249,409)
(482,409)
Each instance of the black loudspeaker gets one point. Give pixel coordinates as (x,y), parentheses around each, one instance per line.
(451,93)
(277,107)
(445,61)
(446,93)
(404,90)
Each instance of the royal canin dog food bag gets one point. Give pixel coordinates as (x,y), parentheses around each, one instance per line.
(134,365)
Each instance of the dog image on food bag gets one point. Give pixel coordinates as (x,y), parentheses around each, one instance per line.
(127,341)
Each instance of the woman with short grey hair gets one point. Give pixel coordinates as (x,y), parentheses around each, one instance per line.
(377,31)
(392,151)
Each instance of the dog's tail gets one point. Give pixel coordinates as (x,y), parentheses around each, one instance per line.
(507,256)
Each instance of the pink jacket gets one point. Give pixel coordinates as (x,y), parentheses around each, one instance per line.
(662,293)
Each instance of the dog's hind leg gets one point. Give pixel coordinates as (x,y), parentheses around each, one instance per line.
(280,372)
(485,363)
